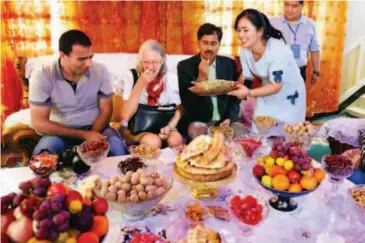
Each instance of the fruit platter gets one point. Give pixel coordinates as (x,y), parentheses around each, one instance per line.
(212,87)
(134,193)
(93,151)
(287,172)
(302,132)
(52,212)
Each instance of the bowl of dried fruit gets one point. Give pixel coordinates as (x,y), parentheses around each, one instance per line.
(144,152)
(44,163)
(264,124)
(134,193)
(302,132)
(91,152)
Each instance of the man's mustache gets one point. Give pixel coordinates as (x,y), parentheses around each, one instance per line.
(208,52)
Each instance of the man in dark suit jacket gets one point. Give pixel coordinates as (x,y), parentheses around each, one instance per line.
(207,65)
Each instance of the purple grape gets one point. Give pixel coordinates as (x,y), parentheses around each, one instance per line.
(26,186)
(58,219)
(6,200)
(297,167)
(45,224)
(56,207)
(63,227)
(39,191)
(294,159)
(305,166)
(66,215)
(18,200)
(37,182)
(53,235)
(46,182)
(41,234)
(39,214)
(279,148)
(4,208)
(58,198)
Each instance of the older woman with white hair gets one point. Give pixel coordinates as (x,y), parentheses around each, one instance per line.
(148,91)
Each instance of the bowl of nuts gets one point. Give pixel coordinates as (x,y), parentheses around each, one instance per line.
(357,198)
(227,132)
(302,132)
(264,124)
(144,152)
(134,193)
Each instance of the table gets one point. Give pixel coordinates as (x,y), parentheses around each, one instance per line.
(274,229)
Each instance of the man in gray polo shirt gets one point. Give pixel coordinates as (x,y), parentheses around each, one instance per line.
(71,99)
(300,33)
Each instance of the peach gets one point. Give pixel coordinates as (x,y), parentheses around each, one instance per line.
(24,226)
(100,225)
(88,237)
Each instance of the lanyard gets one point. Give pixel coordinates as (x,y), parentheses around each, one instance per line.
(294,33)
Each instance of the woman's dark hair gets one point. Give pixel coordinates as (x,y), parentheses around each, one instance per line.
(260,21)
(72,37)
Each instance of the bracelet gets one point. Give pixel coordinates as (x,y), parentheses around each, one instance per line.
(249,94)
(124,123)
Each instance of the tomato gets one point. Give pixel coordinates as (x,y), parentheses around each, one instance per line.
(259,208)
(245,206)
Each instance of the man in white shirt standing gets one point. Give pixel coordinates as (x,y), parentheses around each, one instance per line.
(300,33)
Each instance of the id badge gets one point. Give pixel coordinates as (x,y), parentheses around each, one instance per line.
(296,50)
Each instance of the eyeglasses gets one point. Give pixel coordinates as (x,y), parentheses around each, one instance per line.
(154,63)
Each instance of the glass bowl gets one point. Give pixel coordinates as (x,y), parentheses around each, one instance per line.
(227,132)
(91,152)
(305,141)
(133,211)
(144,152)
(357,206)
(337,170)
(244,227)
(43,164)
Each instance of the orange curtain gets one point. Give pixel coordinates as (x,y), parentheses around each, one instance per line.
(116,26)
(27,27)
(324,95)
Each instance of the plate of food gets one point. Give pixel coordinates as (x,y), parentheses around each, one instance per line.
(144,152)
(212,87)
(227,132)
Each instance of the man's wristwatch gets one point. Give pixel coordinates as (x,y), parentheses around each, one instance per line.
(249,95)
(317,73)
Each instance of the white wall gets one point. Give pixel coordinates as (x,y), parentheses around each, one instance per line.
(355,28)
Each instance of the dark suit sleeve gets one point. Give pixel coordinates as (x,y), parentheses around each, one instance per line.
(233,108)
(186,96)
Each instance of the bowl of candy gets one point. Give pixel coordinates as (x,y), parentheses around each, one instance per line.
(92,151)
(302,132)
(44,163)
(134,193)
(227,132)
(144,152)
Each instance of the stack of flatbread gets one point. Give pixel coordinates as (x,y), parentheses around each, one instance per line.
(205,159)
(217,86)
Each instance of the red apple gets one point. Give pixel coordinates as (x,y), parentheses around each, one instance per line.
(6,219)
(74,201)
(20,230)
(293,176)
(258,171)
(57,188)
(100,205)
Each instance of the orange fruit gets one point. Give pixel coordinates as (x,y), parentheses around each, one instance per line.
(280,182)
(295,188)
(276,170)
(308,182)
(100,225)
(319,174)
(88,237)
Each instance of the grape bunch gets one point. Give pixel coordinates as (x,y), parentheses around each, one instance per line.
(51,218)
(338,166)
(37,186)
(11,201)
(292,150)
